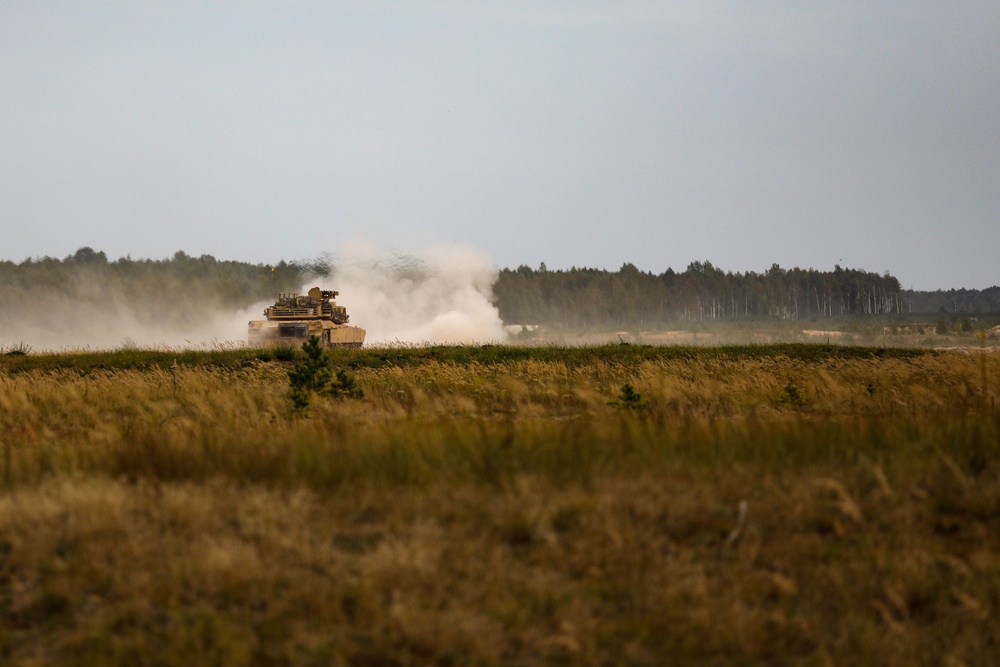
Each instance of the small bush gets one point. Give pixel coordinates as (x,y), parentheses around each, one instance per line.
(344,386)
(628,398)
(792,396)
(313,376)
(284,352)
(310,376)
(19,350)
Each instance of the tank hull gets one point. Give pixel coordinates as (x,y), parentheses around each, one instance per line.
(294,318)
(295,332)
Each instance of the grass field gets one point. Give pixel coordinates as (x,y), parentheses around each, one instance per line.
(795,504)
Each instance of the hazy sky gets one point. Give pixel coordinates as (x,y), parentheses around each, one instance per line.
(575,133)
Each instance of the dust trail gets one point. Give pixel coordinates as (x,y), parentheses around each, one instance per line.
(93,307)
(116,323)
(439,295)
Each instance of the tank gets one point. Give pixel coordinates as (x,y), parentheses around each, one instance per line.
(293,318)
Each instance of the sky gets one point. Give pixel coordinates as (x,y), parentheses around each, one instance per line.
(585,133)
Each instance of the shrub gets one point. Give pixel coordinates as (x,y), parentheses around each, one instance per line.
(310,376)
(792,396)
(284,352)
(19,350)
(344,386)
(313,376)
(628,398)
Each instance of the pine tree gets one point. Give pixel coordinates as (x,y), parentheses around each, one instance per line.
(314,377)
(310,376)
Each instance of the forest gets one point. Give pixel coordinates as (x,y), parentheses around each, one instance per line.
(178,288)
(577,298)
(584,298)
(969,301)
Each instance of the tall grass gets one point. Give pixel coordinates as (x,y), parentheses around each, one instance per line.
(486,507)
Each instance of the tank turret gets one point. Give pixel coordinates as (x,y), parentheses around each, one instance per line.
(295,317)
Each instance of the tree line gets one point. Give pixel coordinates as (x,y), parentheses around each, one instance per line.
(964,301)
(183,286)
(584,298)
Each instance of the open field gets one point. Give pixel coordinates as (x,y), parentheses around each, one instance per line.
(941,331)
(797,504)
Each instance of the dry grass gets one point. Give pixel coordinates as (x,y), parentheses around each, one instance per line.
(505,513)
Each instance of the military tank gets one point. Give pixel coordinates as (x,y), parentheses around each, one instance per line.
(294,317)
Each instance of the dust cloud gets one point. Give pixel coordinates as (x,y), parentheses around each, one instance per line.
(116,323)
(94,308)
(440,295)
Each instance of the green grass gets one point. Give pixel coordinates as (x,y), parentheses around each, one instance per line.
(403,357)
